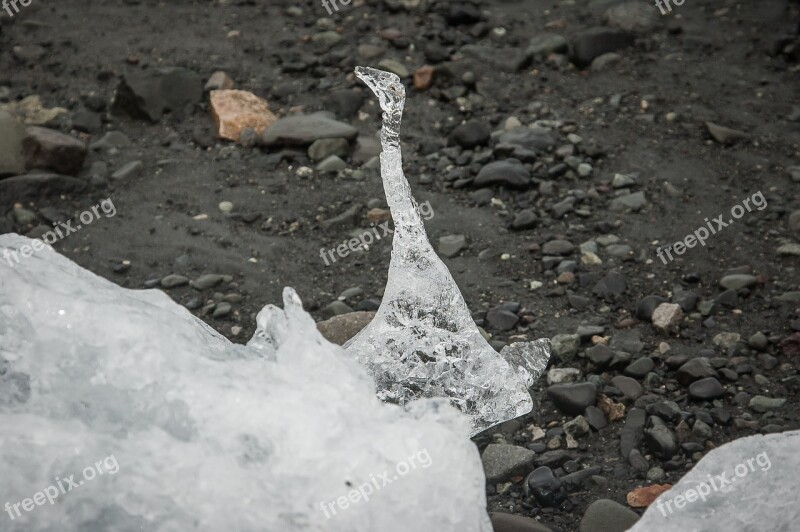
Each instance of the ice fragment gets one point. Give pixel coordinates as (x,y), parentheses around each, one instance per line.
(207,435)
(423,341)
(749,484)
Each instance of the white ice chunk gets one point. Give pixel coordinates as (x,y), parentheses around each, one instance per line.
(423,341)
(206,435)
(747,485)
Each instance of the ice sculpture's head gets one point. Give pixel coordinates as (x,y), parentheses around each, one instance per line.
(386,86)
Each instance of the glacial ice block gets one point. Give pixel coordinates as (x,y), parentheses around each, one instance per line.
(207,435)
(423,341)
(747,485)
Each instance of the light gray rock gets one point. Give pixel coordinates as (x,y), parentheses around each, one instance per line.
(500,462)
(605,515)
(331,163)
(558,247)
(516,523)
(547,43)
(508,172)
(131,169)
(321,149)
(204,282)
(12,133)
(667,317)
(48,149)
(563,375)
(760,403)
(302,130)
(605,61)
(395,67)
(725,135)
(174,280)
(335,308)
(451,245)
(565,346)
(737,281)
(633,16)
(111,140)
(634,202)
(148,94)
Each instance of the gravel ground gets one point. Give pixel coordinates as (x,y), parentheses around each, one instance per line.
(564,148)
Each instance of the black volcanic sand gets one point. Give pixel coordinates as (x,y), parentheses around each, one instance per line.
(641,114)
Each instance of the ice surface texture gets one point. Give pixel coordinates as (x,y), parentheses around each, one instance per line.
(764,498)
(423,341)
(208,435)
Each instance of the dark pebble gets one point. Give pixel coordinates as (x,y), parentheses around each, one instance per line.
(573,399)
(706,389)
(545,487)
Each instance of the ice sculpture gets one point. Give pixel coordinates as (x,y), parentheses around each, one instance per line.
(207,435)
(423,341)
(747,485)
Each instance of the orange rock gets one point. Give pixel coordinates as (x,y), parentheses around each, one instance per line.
(379,215)
(423,77)
(219,80)
(612,410)
(643,496)
(235,110)
(626,323)
(558,24)
(566,278)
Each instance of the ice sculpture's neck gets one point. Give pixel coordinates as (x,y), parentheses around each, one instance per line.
(407,219)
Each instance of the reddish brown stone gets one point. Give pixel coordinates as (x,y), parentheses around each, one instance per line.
(566,278)
(612,410)
(340,329)
(790,346)
(235,110)
(626,323)
(643,496)
(391,34)
(558,24)
(423,77)
(378,215)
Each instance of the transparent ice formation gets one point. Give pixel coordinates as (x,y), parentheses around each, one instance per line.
(423,341)
(207,435)
(748,485)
